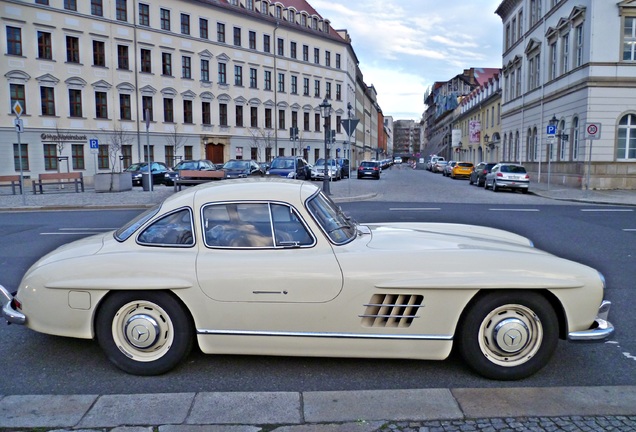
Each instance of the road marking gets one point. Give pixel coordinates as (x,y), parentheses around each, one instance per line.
(607,210)
(629,229)
(514,210)
(414,209)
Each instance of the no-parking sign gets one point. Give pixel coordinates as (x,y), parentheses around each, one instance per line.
(592,131)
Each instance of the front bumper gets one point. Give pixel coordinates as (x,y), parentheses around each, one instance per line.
(600,330)
(8,311)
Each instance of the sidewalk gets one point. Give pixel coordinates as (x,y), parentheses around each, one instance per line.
(462,409)
(417,410)
(341,191)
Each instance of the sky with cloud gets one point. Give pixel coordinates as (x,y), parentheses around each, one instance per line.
(404,46)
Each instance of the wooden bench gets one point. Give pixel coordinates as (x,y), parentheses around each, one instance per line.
(11,181)
(74,178)
(191,177)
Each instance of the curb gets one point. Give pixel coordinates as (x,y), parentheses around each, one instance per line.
(369,408)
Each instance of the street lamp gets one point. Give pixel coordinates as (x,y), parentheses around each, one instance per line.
(325,112)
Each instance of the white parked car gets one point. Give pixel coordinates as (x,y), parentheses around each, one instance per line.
(271,266)
(508,176)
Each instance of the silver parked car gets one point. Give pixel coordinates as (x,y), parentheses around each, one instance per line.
(509,176)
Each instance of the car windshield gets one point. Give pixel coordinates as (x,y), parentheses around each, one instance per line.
(368,164)
(321,162)
(340,228)
(282,163)
(236,165)
(187,165)
(138,167)
(127,230)
(513,169)
(465,164)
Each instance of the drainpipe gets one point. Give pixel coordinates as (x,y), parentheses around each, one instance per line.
(275,43)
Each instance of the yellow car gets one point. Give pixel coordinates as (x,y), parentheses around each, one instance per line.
(462,169)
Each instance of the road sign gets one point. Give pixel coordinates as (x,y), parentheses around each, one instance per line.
(17,109)
(94,144)
(551,130)
(19,126)
(592,131)
(350,125)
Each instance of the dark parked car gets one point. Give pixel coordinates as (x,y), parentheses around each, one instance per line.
(190,165)
(478,176)
(241,168)
(344,166)
(369,169)
(293,167)
(159,170)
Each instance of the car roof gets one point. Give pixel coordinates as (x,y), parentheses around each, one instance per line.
(248,189)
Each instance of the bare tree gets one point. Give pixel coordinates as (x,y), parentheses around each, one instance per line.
(175,140)
(261,139)
(117,139)
(60,142)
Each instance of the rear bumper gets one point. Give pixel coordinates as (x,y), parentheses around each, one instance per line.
(512,184)
(8,311)
(599,331)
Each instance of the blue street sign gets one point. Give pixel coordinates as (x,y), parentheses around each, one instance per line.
(308,148)
(551,130)
(93,143)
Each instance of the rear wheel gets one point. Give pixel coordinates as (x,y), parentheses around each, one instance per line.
(494,186)
(144,332)
(508,335)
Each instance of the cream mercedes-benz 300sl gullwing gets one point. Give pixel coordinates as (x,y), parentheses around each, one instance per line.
(273,267)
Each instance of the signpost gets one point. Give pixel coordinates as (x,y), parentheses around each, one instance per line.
(592,132)
(19,128)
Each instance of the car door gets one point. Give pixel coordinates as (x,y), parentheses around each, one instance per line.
(245,260)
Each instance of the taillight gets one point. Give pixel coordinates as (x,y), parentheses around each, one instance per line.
(499,174)
(527,177)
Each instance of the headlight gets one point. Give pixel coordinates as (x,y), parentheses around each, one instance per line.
(267,172)
(291,175)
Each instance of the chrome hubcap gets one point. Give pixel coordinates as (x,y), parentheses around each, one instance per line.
(142,331)
(511,335)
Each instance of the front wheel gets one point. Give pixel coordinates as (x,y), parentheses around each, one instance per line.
(144,332)
(508,335)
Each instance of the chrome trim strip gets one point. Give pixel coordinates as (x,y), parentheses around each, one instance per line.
(324,335)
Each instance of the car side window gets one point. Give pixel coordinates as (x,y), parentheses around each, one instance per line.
(174,229)
(288,227)
(238,225)
(254,225)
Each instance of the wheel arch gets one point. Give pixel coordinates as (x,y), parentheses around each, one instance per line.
(545,293)
(111,293)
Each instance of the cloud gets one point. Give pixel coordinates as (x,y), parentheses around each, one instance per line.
(404,46)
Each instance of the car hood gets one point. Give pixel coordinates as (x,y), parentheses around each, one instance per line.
(432,255)
(440,236)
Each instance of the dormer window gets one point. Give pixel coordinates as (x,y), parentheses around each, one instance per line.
(279,12)
(234,2)
(264,8)
(325,26)
(291,16)
(314,24)
(249,5)
(303,20)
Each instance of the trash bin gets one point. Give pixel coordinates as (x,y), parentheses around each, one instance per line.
(146,182)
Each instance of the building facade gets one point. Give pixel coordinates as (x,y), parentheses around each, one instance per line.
(569,90)
(104,83)
(477,124)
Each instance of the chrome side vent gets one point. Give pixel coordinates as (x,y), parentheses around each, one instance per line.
(391,310)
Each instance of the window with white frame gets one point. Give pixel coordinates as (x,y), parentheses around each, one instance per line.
(578,34)
(553,60)
(626,146)
(565,53)
(629,38)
